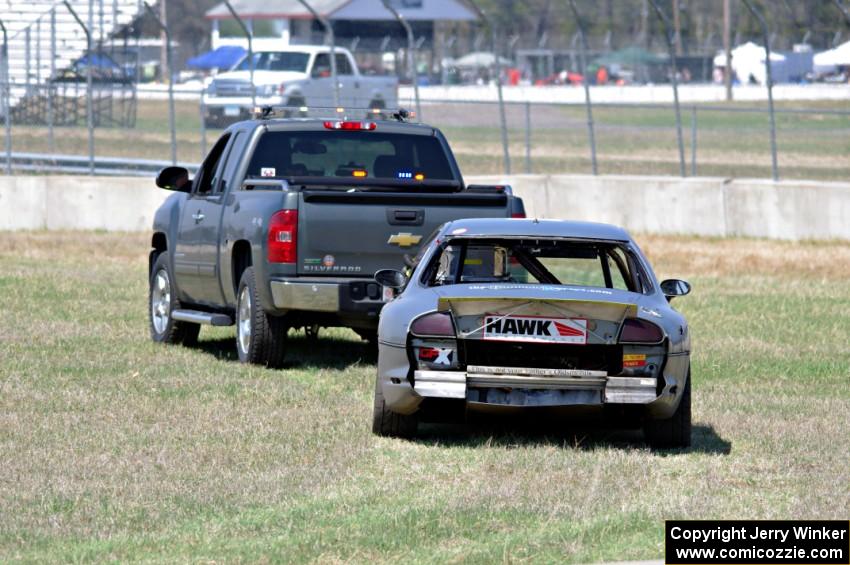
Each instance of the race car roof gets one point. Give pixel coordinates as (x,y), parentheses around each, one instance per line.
(495,227)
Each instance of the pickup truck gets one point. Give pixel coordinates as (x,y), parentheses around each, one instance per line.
(295,76)
(287,220)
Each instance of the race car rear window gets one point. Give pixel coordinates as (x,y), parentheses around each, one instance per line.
(357,154)
(601,265)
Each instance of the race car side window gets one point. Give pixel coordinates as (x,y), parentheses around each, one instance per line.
(618,267)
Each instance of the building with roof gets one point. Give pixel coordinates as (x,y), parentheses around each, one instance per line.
(361,24)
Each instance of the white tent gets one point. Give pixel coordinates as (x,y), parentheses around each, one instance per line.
(748,60)
(829,61)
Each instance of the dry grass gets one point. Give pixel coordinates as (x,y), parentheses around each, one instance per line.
(692,256)
(114,449)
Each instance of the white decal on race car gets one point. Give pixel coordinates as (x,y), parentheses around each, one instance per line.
(444,356)
(535,328)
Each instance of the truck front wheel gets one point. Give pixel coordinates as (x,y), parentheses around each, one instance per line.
(260,337)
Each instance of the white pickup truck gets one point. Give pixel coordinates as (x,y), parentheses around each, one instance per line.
(298,75)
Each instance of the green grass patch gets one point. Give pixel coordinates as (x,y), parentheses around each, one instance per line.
(117,449)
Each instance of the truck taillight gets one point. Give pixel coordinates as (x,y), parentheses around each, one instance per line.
(518,215)
(351,126)
(640,331)
(281,88)
(283,237)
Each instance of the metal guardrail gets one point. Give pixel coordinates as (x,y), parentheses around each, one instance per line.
(80,164)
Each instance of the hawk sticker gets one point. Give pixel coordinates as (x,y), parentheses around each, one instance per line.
(535,328)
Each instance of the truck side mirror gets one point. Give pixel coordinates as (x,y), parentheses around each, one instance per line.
(391,278)
(174,178)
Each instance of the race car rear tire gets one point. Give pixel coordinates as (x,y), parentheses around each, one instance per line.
(387,423)
(675,431)
(162,300)
(260,337)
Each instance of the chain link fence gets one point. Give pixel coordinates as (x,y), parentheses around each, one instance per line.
(728,140)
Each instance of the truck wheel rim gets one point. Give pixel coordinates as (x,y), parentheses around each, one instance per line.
(244,322)
(160,301)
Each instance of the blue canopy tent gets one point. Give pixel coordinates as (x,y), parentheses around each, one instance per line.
(222,58)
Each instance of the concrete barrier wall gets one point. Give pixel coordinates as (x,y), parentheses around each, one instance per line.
(703,206)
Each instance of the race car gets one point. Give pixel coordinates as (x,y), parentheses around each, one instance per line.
(501,315)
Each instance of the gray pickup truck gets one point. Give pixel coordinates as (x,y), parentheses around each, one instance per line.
(287,220)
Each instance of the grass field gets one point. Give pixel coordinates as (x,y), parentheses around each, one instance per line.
(115,449)
(729,143)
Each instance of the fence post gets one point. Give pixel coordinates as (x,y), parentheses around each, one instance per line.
(170,62)
(410,55)
(693,140)
(203,127)
(28,56)
(7,94)
(671,47)
(250,35)
(769,80)
(587,104)
(89,102)
(528,137)
(329,36)
(51,140)
(503,121)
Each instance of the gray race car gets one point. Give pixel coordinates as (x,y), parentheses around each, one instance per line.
(501,315)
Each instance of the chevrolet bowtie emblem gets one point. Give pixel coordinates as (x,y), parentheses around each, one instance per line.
(404,239)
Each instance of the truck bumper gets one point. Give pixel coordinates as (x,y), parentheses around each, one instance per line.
(354,302)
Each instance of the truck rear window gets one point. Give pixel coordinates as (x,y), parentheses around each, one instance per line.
(352,154)
(276,61)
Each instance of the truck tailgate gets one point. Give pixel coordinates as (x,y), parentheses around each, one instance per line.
(358,233)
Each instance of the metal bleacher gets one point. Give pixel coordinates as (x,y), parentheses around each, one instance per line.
(45,41)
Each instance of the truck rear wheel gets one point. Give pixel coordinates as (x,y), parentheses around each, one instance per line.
(385,422)
(260,338)
(675,431)
(162,301)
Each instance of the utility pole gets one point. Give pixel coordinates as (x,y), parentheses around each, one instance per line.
(677,26)
(727,49)
(163,38)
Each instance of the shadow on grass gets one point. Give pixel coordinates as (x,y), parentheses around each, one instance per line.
(523,432)
(302,353)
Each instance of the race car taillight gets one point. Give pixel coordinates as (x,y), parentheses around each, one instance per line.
(435,324)
(283,237)
(351,126)
(640,331)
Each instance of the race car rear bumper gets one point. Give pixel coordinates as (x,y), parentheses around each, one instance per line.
(486,384)
(658,397)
